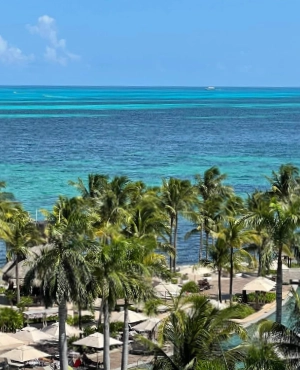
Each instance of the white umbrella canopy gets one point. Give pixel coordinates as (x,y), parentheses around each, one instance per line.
(23,354)
(260,284)
(165,289)
(147,325)
(7,340)
(53,330)
(32,335)
(96,340)
(133,317)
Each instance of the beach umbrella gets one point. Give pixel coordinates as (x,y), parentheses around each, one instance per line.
(133,317)
(165,290)
(147,325)
(96,340)
(53,330)
(6,341)
(23,354)
(260,284)
(32,335)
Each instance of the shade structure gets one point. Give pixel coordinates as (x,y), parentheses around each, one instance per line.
(53,330)
(260,284)
(274,266)
(96,340)
(23,354)
(147,325)
(7,341)
(196,270)
(165,290)
(32,335)
(133,317)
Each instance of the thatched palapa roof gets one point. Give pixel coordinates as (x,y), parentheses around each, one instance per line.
(9,270)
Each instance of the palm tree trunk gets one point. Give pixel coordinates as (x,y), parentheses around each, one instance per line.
(201,243)
(220,285)
(63,346)
(231,275)
(100,313)
(171,239)
(80,318)
(17,279)
(206,244)
(175,242)
(106,335)
(259,271)
(279,287)
(124,363)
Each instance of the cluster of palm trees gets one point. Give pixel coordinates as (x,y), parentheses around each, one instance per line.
(108,240)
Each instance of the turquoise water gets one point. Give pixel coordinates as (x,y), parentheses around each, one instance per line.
(50,135)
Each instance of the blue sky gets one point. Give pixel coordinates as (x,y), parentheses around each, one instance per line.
(157,42)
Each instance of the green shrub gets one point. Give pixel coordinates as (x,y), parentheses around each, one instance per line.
(115,328)
(88,330)
(207,274)
(74,320)
(243,310)
(10,319)
(262,297)
(24,303)
(174,280)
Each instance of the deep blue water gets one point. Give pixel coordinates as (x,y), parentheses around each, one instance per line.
(50,135)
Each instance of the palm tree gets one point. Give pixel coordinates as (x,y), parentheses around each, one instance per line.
(177,197)
(258,203)
(234,235)
(285,182)
(7,207)
(140,263)
(63,268)
(219,257)
(22,235)
(197,332)
(213,193)
(281,222)
(273,346)
(107,262)
(97,184)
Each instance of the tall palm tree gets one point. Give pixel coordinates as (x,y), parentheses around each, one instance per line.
(108,261)
(140,264)
(258,203)
(285,182)
(281,221)
(220,258)
(22,235)
(63,269)
(213,193)
(234,235)
(177,197)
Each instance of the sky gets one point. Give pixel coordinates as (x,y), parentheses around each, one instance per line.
(150,43)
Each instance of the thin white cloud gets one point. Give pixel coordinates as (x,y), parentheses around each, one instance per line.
(12,55)
(56,50)
(51,56)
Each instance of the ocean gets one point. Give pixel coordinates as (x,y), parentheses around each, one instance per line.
(50,135)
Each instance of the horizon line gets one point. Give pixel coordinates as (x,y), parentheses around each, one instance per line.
(157,86)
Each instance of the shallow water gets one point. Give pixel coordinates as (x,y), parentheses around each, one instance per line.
(51,135)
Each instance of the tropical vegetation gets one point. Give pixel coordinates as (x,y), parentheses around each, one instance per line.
(111,239)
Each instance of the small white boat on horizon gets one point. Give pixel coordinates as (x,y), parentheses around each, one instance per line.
(210,88)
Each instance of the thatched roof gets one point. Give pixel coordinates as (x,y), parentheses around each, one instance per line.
(9,271)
